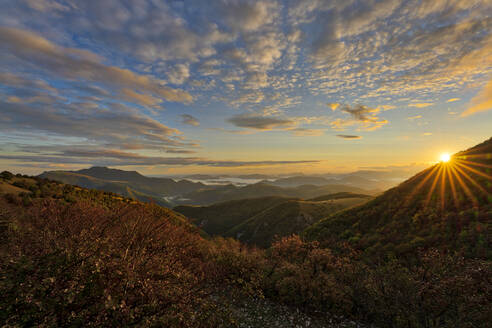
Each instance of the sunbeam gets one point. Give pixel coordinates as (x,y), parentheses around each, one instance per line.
(429,174)
(443,186)
(434,183)
(464,186)
(474,170)
(453,187)
(472,180)
(474,163)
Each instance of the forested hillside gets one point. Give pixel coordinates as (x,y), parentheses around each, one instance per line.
(448,206)
(258,221)
(219,218)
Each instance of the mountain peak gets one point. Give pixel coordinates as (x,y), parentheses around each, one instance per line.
(103,172)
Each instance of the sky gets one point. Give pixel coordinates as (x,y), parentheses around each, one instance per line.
(229,86)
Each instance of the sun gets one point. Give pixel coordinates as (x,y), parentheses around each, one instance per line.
(445,157)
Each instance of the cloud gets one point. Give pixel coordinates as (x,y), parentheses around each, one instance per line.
(452,100)
(190,120)
(179,74)
(366,15)
(481,102)
(150,30)
(248,97)
(140,98)
(47,5)
(420,105)
(361,115)
(248,15)
(426,134)
(115,123)
(179,151)
(18,81)
(327,49)
(304,132)
(348,136)
(258,122)
(75,64)
(333,106)
(411,118)
(387,107)
(109,157)
(360,112)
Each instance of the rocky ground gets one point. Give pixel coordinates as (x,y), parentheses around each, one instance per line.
(252,313)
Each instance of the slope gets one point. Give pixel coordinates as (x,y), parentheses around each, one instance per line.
(218,218)
(339,195)
(258,220)
(287,218)
(447,206)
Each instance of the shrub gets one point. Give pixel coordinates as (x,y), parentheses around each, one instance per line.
(80,264)
(6,175)
(12,198)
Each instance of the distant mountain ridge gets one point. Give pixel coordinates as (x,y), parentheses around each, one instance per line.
(128,183)
(262,189)
(168,192)
(102,172)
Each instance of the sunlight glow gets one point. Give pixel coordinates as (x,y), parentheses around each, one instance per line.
(452,177)
(445,157)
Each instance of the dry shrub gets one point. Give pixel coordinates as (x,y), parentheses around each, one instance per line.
(81,264)
(238,266)
(439,290)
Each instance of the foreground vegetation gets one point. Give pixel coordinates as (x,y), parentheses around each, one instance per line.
(74,257)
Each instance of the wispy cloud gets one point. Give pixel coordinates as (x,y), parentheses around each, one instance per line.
(259,122)
(481,102)
(348,136)
(305,132)
(70,63)
(333,106)
(190,120)
(116,158)
(366,117)
(420,105)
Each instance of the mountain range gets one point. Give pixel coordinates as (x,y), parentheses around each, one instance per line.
(127,183)
(169,192)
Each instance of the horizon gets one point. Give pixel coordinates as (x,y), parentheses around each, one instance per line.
(411,170)
(242,87)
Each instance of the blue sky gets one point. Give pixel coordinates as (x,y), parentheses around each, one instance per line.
(169,87)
